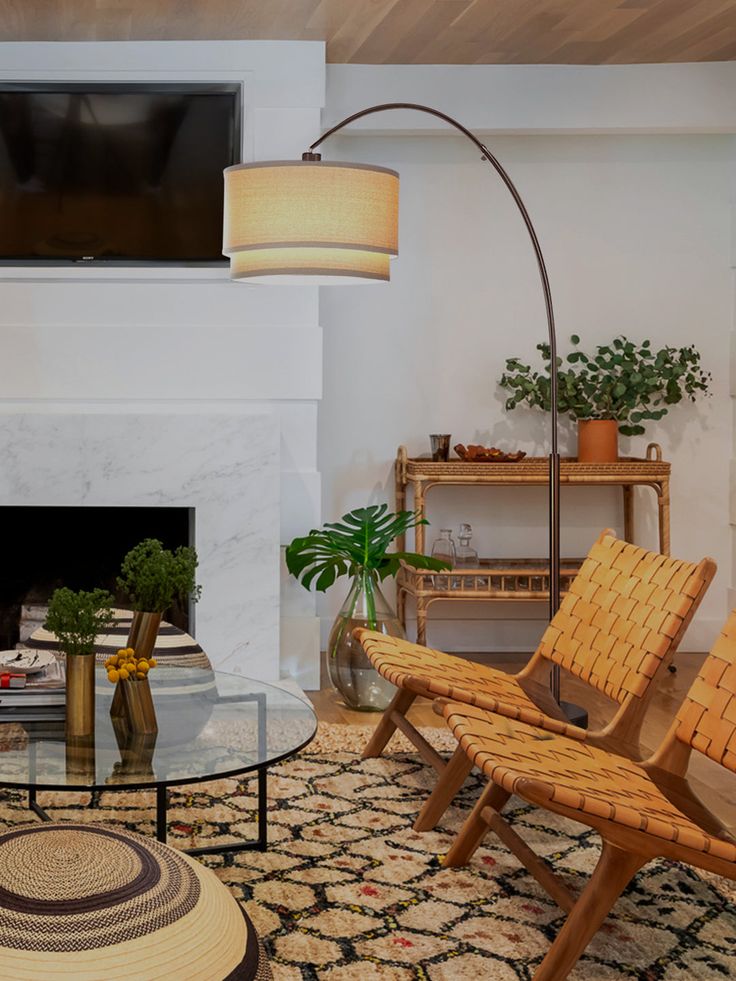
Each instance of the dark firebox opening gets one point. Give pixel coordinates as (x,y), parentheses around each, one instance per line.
(79,547)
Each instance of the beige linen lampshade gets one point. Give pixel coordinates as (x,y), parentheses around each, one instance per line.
(310,222)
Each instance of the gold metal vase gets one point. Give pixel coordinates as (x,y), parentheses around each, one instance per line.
(80,695)
(132,702)
(80,757)
(144,632)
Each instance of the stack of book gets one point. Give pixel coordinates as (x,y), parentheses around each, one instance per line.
(36,697)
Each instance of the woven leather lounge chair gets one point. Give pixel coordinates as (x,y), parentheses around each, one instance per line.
(617,629)
(641,810)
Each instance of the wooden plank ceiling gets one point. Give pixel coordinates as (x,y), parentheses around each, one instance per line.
(406,31)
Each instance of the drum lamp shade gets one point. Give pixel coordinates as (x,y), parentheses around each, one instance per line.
(310,222)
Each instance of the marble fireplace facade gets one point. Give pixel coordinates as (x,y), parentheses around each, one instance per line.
(223,466)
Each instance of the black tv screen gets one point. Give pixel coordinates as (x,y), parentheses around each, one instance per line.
(115,173)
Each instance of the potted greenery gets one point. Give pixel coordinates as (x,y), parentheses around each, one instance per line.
(76,619)
(153,577)
(617,388)
(358,546)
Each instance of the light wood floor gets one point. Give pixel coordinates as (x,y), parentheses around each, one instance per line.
(711,782)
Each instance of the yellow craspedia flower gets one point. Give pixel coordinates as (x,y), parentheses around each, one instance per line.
(142,666)
(120,651)
(124,674)
(113,675)
(129,651)
(140,675)
(152,662)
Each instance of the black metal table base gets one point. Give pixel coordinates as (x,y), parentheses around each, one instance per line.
(162,790)
(162,805)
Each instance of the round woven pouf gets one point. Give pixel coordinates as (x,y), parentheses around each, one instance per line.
(87,903)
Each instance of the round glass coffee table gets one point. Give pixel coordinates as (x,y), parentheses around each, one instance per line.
(210,725)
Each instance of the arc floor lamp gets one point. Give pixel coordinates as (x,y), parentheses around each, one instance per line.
(317,222)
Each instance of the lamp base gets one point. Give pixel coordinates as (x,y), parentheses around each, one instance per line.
(577,715)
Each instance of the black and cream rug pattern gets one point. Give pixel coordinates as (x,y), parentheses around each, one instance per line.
(349,892)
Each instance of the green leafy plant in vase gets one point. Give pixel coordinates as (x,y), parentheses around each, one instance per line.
(76,619)
(358,546)
(618,388)
(154,577)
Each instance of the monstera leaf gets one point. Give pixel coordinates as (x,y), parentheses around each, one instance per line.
(359,540)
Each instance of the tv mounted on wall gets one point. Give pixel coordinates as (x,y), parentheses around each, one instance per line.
(115,173)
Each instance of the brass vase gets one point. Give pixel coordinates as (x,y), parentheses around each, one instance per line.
(80,695)
(136,751)
(80,757)
(132,707)
(142,638)
(143,633)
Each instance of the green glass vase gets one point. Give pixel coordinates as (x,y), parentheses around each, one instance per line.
(349,669)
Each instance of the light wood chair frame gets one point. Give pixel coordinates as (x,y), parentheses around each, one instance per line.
(706,722)
(620,734)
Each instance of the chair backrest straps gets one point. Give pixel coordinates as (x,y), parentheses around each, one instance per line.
(706,720)
(625,611)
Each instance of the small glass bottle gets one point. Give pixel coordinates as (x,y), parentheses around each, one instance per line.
(443,549)
(466,557)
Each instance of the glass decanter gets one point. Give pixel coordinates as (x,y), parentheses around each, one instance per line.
(466,557)
(443,549)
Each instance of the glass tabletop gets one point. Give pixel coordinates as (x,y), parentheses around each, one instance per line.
(210,725)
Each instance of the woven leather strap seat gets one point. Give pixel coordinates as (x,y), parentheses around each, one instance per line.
(641,810)
(552,770)
(435,674)
(617,628)
(89,902)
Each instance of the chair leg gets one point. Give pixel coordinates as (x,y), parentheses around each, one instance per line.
(387,727)
(451,780)
(615,869)
(475,828)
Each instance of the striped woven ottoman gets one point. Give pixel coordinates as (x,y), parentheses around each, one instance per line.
(90,903)
(174,647)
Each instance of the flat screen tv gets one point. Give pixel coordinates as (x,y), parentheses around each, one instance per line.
(115,173)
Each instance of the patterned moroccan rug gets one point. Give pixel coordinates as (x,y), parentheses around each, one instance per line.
(348,892)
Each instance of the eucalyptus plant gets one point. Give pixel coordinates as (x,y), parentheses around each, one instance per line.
(154,576)
(78,618)
(623,380)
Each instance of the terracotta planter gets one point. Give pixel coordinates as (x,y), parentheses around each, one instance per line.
(597,440)
(80,695)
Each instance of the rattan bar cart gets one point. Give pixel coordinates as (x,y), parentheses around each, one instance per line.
(514,579)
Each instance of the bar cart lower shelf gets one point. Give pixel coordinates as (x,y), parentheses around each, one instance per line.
(512,579)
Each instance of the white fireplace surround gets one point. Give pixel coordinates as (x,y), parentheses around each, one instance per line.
(102,365)
(223,465)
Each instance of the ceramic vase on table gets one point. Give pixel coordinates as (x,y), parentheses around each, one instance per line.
(348,667)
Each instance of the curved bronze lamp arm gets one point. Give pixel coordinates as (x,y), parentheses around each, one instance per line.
(554,458)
